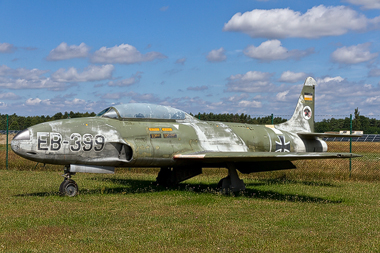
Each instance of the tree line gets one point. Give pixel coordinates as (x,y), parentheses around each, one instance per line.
(238,118)
(359,122)
(16,122)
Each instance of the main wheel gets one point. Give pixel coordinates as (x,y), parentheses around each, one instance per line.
(164,177)
(68,188)
(220,183)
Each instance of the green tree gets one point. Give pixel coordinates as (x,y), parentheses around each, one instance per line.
(14,125)
(322,127)
(356,124)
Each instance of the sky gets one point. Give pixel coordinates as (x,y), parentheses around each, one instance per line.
(243,56)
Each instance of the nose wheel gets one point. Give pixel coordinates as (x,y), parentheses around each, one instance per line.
(68,187)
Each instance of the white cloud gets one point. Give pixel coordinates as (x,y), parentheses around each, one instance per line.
(181,61)
(339,87)
(22,78)
(338,97)
(42,83)
(292,77)
(193,104)
(240,103)
(317,22)
(252,81)
(91,73)
(197,88)
(366,4)
(373,100)
(134,96)
(33,102)
(172,71)
(251,76)
(141,98)
(4,70)
(6,48)
(60,104)
(216,55)
(28,74)
(272,50)
(124,54)
(237,98)
(353,54)
(9,95)
(112,96)
(75,101)
(64,52)
(250,104)
(281,96)
(126,82)
(374,72)
(328,79)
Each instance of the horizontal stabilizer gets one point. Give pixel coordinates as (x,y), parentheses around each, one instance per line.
(324,135)
(260,156)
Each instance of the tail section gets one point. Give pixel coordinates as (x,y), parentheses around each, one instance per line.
(302,120)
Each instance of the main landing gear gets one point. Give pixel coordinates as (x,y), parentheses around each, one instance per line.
(68,186)
(172,176)
(232,182)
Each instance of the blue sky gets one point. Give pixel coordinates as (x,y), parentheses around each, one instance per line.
(199,56)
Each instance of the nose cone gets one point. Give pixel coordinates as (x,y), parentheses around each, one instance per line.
(19,141)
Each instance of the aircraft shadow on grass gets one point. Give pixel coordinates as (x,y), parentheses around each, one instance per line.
(133,186)
(282,180)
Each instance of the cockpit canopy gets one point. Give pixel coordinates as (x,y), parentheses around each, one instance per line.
(142,110)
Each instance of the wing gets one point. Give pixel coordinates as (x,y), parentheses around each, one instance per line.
(212,157)
(322,135)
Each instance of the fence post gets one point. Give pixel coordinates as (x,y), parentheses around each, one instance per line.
(6,147)
(350,141)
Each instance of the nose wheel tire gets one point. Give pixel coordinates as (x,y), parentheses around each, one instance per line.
(68,188)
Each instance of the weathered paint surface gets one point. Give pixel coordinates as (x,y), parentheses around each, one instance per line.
(216,136)
(149,142)
(300,122)
(56,142)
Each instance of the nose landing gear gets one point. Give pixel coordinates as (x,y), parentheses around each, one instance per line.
(68,187)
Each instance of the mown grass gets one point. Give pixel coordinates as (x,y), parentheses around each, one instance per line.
(127,212)
(319,207)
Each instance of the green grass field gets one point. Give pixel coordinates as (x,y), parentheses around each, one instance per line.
(319,207)
(127,212)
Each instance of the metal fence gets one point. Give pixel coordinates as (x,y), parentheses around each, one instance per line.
(366,167)
(4,141)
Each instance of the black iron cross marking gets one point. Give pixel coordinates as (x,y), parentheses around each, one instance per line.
(282,146)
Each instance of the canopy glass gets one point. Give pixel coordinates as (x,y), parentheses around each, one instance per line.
(142,110)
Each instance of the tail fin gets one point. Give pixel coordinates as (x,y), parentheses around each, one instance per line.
(302,120)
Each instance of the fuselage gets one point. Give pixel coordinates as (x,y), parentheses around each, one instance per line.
(148,135)
(148,142)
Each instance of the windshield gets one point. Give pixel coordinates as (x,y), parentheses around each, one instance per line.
(108,113)
(102,112)
(141,110)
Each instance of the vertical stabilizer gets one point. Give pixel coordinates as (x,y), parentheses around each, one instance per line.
(303,117)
